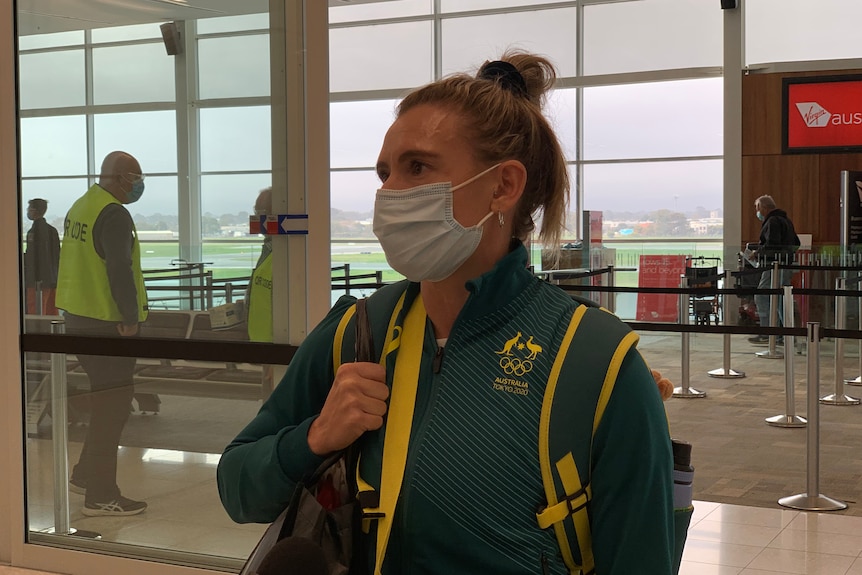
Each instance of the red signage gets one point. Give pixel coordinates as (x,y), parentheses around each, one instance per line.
(659,271)
(823,114)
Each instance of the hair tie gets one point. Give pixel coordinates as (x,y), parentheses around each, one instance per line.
(506,74)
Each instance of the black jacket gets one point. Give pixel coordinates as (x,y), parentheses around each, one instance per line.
(778,239)
(42,258)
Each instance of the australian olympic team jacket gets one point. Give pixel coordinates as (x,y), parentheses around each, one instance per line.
(472,483)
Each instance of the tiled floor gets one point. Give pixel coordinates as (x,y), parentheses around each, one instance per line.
(736,540)
(184,512)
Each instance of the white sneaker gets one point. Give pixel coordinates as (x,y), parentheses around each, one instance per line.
(119,507)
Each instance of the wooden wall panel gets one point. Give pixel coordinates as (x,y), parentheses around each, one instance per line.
(805,185)
(792,181)
(761,114)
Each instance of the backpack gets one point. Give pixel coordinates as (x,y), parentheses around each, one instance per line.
(567,489)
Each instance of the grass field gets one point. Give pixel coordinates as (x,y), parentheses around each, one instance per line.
(236,258)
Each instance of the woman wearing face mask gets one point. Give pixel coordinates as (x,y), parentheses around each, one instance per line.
(465,169)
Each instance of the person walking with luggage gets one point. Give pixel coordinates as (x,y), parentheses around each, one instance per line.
(778,242)
(466,168)
(101,291)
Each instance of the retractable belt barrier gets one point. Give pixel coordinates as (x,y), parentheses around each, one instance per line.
(59,344)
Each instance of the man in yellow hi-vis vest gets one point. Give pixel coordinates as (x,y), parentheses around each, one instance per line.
(100,289)
(258,296)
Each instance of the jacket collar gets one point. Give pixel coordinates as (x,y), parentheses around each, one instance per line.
(497,288)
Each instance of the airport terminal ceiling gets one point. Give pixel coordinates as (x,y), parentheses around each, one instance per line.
(50,16)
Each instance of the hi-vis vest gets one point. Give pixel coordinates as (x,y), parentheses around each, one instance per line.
(567,487)
(260,302)
(82,282)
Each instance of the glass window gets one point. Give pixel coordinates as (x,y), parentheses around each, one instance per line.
(230,199)
(357,130)
(467,42)
(354,192)
(653,120)
(226,203)
(57,39)
(561,110)
(149,136)
(52,79)
(126,33)
(234,23)
(380,57)
(154,459)
(55,146)
(138,73)
(158,204)
(391,9)
(235,139)
(234,67)
(791,30)
(637,191)
(126,100)
(464,5)
(652,35)
(60,194)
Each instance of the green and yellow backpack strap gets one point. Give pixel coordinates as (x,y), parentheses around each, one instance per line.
(384,308)
(408,339)
(594,347)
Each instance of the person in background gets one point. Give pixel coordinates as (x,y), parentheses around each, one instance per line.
(778,242)
(41,260)
(258,294)
(466,169)
(101,291)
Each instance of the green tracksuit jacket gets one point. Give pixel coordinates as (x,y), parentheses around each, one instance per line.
(472,483)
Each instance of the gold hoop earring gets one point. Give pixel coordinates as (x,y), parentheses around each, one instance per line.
(500,219)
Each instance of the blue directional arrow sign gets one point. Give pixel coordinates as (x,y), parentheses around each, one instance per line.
(293,224)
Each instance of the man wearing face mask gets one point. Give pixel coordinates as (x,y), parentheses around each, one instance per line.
(778,242)
(101,291)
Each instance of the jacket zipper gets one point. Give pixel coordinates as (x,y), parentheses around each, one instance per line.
(438,360)
(421,425)
(544,561)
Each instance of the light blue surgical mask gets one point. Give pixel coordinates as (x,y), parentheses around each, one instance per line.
(418,231)
(136,192)
(759,216)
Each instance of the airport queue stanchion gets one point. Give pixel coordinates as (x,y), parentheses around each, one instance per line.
(612,297)
(771,351)
(858,379)
(59,437)
(38,298)
(726,372)
(839,397)
(812,499)
(59,418)
(789,417)
(685,390)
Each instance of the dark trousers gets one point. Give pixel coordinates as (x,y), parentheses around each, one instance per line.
(111,391)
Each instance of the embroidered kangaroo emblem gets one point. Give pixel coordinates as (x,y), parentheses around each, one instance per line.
(533,347)
(507,349)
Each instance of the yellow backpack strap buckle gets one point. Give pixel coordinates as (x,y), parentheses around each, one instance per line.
(567,507)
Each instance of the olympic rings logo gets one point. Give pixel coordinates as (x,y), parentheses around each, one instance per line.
(515,366)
